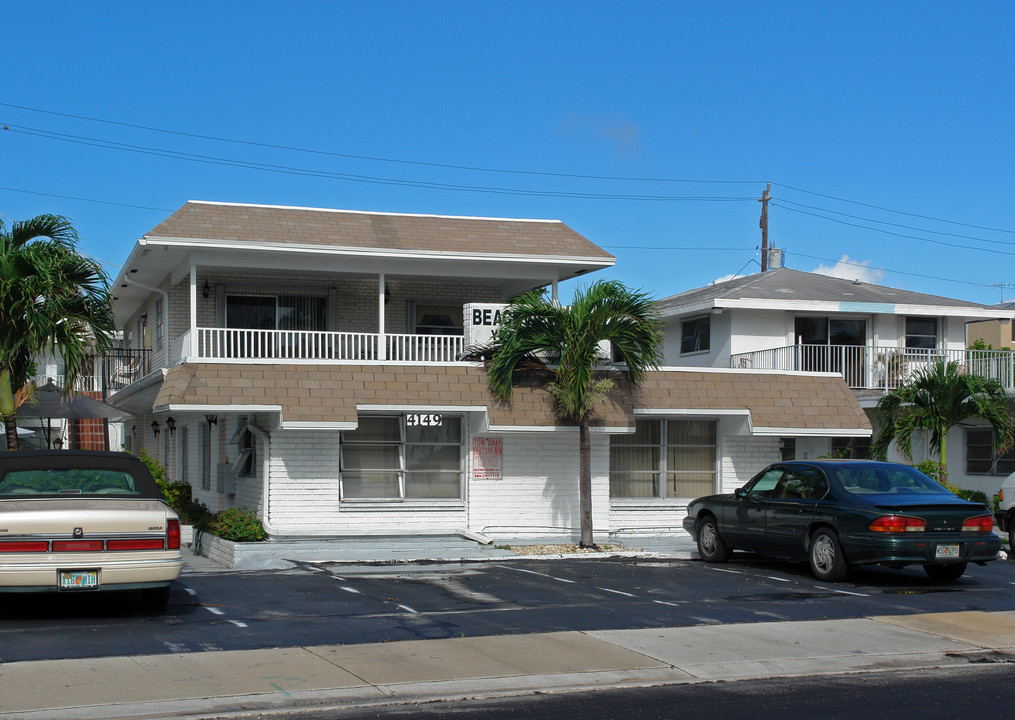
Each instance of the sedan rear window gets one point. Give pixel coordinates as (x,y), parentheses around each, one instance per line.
(68,481)
(886,480)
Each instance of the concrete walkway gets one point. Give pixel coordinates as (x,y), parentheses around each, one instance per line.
(213,683)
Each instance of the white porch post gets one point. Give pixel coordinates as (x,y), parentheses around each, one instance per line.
(382,349)
(193,311)
(553,292)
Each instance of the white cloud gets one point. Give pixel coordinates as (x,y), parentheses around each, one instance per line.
(724,278)
(852,270)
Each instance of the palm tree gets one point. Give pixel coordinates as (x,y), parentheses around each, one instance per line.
(936,399)
(50,298)
(536,333)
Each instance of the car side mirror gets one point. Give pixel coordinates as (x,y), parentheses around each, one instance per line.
(740,493)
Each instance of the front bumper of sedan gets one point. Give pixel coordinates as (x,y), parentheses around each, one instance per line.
(924,549)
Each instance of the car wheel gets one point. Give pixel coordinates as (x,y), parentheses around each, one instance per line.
(710,545)
(1010,524)
(827,561)
(155,597)
(945,573)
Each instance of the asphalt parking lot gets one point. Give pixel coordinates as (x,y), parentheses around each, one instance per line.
(346,604)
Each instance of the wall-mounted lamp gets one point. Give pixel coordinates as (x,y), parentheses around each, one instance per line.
(155,427)
(171,424)
(144,319)
(212,419)
(205,290)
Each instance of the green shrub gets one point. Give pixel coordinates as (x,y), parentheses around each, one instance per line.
(931,469)
(178,494)
(239,524)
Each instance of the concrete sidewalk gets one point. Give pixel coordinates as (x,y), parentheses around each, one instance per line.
(207,684)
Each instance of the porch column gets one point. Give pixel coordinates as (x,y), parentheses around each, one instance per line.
(193,311)
(382,349)
(553,292)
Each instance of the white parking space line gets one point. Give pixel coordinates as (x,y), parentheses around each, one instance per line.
(213,610)
(663,602)
(408,609)
(843,592)
(618,592)
(533,572)
(773,577)
(348,589)
(237,623)
(735,572)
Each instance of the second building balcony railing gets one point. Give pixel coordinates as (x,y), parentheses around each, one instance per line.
(877,368)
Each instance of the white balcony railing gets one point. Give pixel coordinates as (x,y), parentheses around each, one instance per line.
(282,345)
(877,368)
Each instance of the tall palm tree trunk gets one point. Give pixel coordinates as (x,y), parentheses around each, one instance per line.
(585,484)
(8,410)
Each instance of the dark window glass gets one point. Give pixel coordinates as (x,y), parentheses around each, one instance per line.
(694,335)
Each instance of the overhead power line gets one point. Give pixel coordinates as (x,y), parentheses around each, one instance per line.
(350,156)
(895,234)
(289,170)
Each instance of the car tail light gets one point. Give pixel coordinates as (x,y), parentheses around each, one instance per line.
(173,534)
(147,544)
(897,523)
(77,546)
(16,546)
(980,523)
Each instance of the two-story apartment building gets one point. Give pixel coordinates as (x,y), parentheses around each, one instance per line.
(308,363)
(874,336)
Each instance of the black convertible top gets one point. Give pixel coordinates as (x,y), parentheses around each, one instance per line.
(83,460)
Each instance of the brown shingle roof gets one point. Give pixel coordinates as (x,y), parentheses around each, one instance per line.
(382,231)
(330,393)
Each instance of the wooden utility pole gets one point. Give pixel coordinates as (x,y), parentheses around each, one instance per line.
(764,225)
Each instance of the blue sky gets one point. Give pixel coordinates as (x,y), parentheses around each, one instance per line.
(886,129)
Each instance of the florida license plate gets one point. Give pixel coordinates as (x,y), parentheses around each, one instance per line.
(79,579)
(947,551)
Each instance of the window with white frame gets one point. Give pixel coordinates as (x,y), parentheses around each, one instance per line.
(397,457)
(664,459)
(921,333)
(694,335)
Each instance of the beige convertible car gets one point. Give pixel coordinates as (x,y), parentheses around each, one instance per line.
(85,521)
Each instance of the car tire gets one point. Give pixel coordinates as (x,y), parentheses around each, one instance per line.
(827,561)
(711,546)
(155,597)
(1010,524)
(945,573)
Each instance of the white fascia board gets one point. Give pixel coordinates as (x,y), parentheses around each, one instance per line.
(175,407)
(699,412)
(319,426)
(810,432)
(747,371)
(406,407)
(344,251)
(340,211)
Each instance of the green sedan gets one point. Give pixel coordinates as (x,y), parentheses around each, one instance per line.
(842,513)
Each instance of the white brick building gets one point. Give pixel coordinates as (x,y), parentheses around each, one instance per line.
(306,363)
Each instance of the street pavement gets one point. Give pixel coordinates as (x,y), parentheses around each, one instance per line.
(213,684)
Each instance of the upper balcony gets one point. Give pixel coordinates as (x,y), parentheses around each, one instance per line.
(317,346)
(878,368)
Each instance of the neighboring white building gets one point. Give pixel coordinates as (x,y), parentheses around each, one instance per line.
(874,336)
(306,363)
